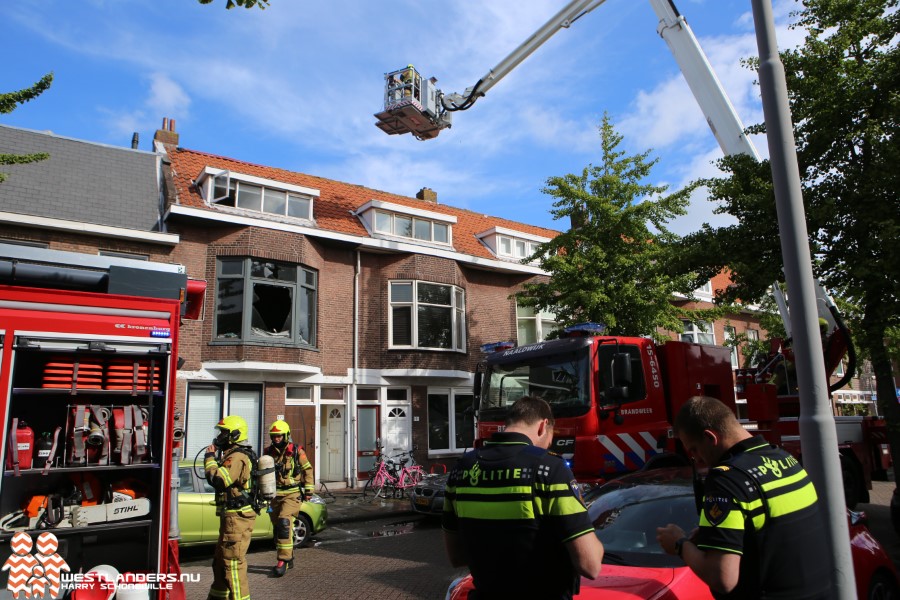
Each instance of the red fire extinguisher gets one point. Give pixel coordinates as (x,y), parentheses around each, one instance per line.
(21,450)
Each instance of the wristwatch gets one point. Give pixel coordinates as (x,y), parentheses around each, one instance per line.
(679,545)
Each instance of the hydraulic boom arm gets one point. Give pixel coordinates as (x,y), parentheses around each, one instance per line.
(413,105)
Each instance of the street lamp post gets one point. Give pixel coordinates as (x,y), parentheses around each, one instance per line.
(818,436)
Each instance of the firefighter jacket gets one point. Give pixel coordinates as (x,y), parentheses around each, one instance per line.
(293,472)
(230,477)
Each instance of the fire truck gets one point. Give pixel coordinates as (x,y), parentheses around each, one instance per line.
(614,398)
(88,360)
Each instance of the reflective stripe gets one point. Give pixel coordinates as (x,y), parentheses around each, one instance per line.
(734,520)
(235,578)
(496,491)
(283,546)
(503,509)
(728,550)
(558,506)
(218,593)
(225,476)
(777,483)
(759,520)
(792,502)
(578,535)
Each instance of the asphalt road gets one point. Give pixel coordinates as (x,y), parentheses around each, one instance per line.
(391,558)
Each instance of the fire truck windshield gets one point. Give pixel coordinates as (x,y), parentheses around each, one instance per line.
(561,379)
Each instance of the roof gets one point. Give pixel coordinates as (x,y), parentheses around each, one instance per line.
(338,201)
(84,182)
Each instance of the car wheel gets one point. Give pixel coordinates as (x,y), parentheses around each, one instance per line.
(883,587)
(302,530)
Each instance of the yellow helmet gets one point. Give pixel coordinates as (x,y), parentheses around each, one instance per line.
(280,427)
(235,427)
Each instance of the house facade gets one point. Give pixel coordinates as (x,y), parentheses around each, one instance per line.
(354,314)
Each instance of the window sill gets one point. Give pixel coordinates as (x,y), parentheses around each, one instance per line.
(262,344)
(411,349)
(438,454)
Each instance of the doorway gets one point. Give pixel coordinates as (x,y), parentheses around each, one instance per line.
(368,434)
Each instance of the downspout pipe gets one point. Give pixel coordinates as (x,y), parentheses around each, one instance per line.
(351,404)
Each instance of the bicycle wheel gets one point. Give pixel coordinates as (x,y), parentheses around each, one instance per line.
(380,486)
(416,474)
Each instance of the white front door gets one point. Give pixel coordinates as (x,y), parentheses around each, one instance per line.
(333,463)
(398,430)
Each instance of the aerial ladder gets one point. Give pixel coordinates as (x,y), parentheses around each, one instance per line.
(413,104)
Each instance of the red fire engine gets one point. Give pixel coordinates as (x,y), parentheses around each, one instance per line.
(614,398)
(87,393)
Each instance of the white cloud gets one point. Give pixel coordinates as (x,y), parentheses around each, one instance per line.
(167,97)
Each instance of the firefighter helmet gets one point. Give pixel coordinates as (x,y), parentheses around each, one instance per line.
(234,427)
(280,427)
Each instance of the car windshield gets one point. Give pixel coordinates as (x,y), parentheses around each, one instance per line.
(625,518)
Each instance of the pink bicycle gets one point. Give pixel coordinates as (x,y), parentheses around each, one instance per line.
(392,476)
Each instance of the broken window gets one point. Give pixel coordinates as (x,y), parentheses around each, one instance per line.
(265,301)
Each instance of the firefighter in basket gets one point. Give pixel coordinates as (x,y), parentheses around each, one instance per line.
(230,474)
(294,483)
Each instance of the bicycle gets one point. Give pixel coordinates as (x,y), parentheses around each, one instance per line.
(391,476)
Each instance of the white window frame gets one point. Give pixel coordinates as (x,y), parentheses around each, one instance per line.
(701,332)
(730,334)
(457,316)
(381,219)
(232,181)
(451,394)
(511,244)
(414,223)
(536,322)
(225,391)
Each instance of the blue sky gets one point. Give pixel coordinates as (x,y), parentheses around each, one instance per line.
(296,87)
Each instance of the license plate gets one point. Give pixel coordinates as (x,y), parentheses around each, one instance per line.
(422,501)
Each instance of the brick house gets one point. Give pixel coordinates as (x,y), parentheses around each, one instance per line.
(354,314)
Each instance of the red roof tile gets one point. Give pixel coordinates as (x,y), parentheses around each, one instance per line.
(332,209)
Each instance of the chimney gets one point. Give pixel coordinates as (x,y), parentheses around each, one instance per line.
(427,194)
(166,134)
(135,140)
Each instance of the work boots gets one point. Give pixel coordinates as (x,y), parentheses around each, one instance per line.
(282,566)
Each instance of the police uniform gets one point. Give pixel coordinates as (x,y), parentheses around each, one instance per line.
(514,506)
(293,473)
(231,480)
(760,503)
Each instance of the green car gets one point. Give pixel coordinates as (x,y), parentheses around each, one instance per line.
(199,524)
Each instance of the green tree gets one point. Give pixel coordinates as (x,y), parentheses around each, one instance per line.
(610,266)
(262,4)
(844,87)
(8,103)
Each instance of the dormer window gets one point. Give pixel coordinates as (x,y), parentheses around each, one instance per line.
(247,192)
(510,244)
(396,220)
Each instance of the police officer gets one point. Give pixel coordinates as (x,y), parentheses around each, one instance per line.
(511,513)
(294,483)
(760,533)
(230,476)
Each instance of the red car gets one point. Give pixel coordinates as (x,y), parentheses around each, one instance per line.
(626,513)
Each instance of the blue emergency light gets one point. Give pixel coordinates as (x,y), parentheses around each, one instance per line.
(584,329)
(497,347)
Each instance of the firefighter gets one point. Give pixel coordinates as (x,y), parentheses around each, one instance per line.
(230,475)
(294,483)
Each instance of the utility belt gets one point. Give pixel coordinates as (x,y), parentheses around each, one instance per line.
(234,503)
